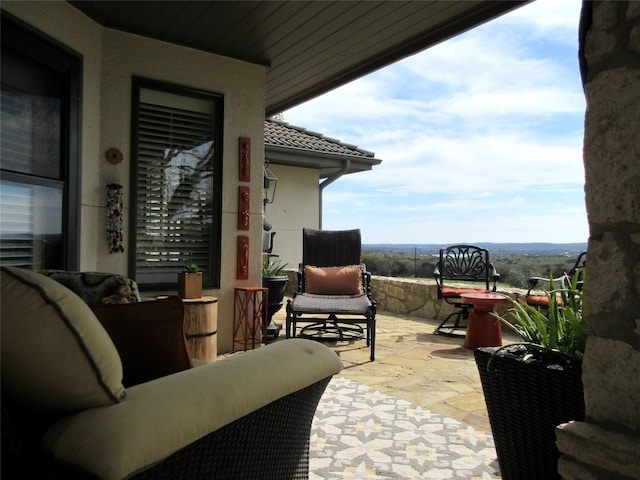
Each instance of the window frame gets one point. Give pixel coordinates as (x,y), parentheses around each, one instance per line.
(26,41)
(212,273)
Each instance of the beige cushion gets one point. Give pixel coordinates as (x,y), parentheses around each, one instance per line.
(56,356)
(333,280)
(160,417)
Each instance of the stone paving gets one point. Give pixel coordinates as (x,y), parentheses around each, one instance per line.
(414,364)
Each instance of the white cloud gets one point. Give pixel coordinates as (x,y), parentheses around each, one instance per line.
(556,20)
(426,163)
(490,122)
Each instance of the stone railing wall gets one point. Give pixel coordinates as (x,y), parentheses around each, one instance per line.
(411,297)
(418,297)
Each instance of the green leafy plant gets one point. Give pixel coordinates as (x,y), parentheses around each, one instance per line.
(191,267)
(273,268)
(561,332)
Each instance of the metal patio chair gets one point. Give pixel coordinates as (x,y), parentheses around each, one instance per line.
(536,298)
(333,294)
(462,269)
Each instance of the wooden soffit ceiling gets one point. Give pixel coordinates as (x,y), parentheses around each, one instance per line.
(309,47)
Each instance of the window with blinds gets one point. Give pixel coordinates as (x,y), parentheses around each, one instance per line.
(177,184)
(39,107)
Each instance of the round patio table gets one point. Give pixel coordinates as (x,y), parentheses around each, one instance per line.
(483,329)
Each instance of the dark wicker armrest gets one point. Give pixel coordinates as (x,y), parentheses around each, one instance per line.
(272,442)
(204,395)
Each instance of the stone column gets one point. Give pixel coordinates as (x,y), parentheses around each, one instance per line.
(607,444)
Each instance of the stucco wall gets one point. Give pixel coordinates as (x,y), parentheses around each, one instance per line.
(295,206)
(110,59)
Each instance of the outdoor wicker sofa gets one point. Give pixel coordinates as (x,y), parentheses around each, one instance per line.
(66,413)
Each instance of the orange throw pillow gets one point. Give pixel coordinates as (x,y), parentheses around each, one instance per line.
(334,280)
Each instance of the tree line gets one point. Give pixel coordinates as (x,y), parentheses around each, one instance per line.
(514,269)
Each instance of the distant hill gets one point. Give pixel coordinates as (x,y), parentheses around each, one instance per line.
(495,249)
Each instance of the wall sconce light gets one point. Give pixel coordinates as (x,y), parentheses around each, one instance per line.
(270,184)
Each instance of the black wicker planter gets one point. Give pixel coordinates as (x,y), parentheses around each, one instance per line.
(525,402)
(277,287)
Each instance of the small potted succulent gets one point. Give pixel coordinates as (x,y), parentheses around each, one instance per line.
(275,279)
(533,385)
(190,281)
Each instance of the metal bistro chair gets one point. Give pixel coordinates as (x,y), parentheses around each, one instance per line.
(459,268)
(537,299)
(334,292)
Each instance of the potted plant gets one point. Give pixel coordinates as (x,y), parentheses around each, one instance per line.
(534,385)
(190,281)
(275,279)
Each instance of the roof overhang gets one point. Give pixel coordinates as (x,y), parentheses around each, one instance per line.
(309,48)
(328,164)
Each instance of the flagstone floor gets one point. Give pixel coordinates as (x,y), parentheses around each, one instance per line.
(413,364)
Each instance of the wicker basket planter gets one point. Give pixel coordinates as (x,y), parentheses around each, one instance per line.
(525,402)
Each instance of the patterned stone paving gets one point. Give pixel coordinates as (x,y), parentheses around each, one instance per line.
(433,371)
(362,433)
(419,414)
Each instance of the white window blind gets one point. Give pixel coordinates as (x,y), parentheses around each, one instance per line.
(30,222)
(36,163)
(175,185)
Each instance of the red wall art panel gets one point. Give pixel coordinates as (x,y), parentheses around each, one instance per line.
(242,272)
(243,208)
(245,159)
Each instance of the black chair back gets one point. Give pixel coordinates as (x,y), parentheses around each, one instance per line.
(578,267)
(330,248)
(465,263)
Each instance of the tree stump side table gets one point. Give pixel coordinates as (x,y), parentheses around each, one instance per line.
(201,327)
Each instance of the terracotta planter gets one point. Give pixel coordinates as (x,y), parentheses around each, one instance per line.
(190,285)
(525,402)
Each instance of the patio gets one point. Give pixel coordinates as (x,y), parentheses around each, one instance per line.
(413,364)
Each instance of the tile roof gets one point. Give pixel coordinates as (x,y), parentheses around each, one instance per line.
(282,134)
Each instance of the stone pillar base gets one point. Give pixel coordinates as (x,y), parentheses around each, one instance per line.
(590,452)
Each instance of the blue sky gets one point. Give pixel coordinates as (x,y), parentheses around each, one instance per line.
(480,137)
